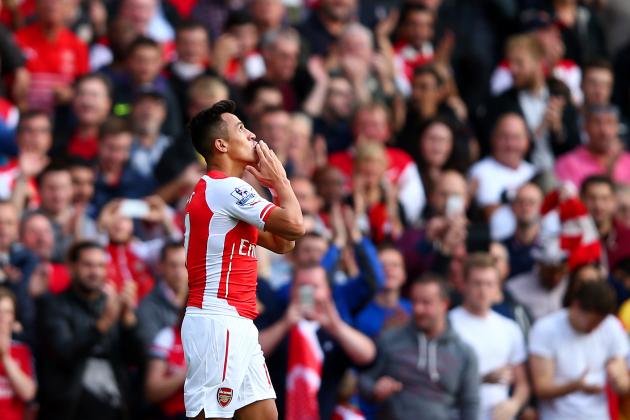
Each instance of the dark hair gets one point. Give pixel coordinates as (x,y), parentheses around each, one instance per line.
(54,166)
(100,77)
(169,246)
(251,89)
(113,126)
(597,63)
(597,297)
(79,162)
(432,278)
(208,125)
(431,70)
(189,25)
(237,18)
(408,8)
(77,248)
(594,180)
(141,42)
(574,284)
(30,115)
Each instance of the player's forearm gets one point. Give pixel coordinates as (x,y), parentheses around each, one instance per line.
(287,200)
(22,384)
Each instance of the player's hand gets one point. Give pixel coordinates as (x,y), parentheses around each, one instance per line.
(385,387)
(269,170)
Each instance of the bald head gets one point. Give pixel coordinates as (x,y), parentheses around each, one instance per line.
(510,140)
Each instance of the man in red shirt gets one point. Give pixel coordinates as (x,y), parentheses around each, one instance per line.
(16,366)
(225,220)
(54,56)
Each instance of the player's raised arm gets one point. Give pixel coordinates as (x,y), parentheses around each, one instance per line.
(286,220)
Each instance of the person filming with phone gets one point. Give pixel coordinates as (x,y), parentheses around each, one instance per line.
(310,336)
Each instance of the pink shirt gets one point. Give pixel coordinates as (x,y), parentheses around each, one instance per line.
(579,164)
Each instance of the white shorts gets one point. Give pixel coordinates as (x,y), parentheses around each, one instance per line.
(226,368)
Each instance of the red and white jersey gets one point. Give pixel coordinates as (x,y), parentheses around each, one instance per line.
(222,220)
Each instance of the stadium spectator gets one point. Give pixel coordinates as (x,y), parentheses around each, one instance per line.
(505,304)
(115,177)
(332,118)
(166,373)
(280,51)
(51,274)
(236,58)
(598,195)
(76,127)
(17,373)
(269,15)
(372,124)
(311,313)
(496,340)
(17,265)
(88,334)
(17,176)
(143,66)
(149,144)
(545,106)
(575,352)
(604,153)
(526,208)
(622,192)
(388,309)
(56,192)
(130,259)
(55,57)
(162,305)
(192,49)
(497,176)
(542,289)
(323,27)
(412,363)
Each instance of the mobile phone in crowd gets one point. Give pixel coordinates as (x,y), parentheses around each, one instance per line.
(306,295)
(454,205)
(134,208)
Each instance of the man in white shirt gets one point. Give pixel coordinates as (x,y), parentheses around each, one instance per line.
(575,352)
(501,174)
(496,340)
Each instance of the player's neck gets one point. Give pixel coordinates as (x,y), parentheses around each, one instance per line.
(228,167)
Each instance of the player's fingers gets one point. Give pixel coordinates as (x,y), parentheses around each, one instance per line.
(265,148)
(253,171)
(261,155)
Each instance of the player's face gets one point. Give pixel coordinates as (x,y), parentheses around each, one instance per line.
(241,141)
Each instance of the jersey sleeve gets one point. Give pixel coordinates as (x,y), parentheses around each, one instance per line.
(618,340)
(540,342)
(162,344)
(241,201)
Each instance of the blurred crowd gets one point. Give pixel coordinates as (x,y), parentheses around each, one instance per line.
(462,167)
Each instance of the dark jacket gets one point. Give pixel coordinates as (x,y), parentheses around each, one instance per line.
(155,312)
(69,337)
(440,377)
(508,102)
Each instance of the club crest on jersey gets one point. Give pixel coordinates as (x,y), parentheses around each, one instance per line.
(243,196)
(224,396)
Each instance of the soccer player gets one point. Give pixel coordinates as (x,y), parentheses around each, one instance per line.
(225,220)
